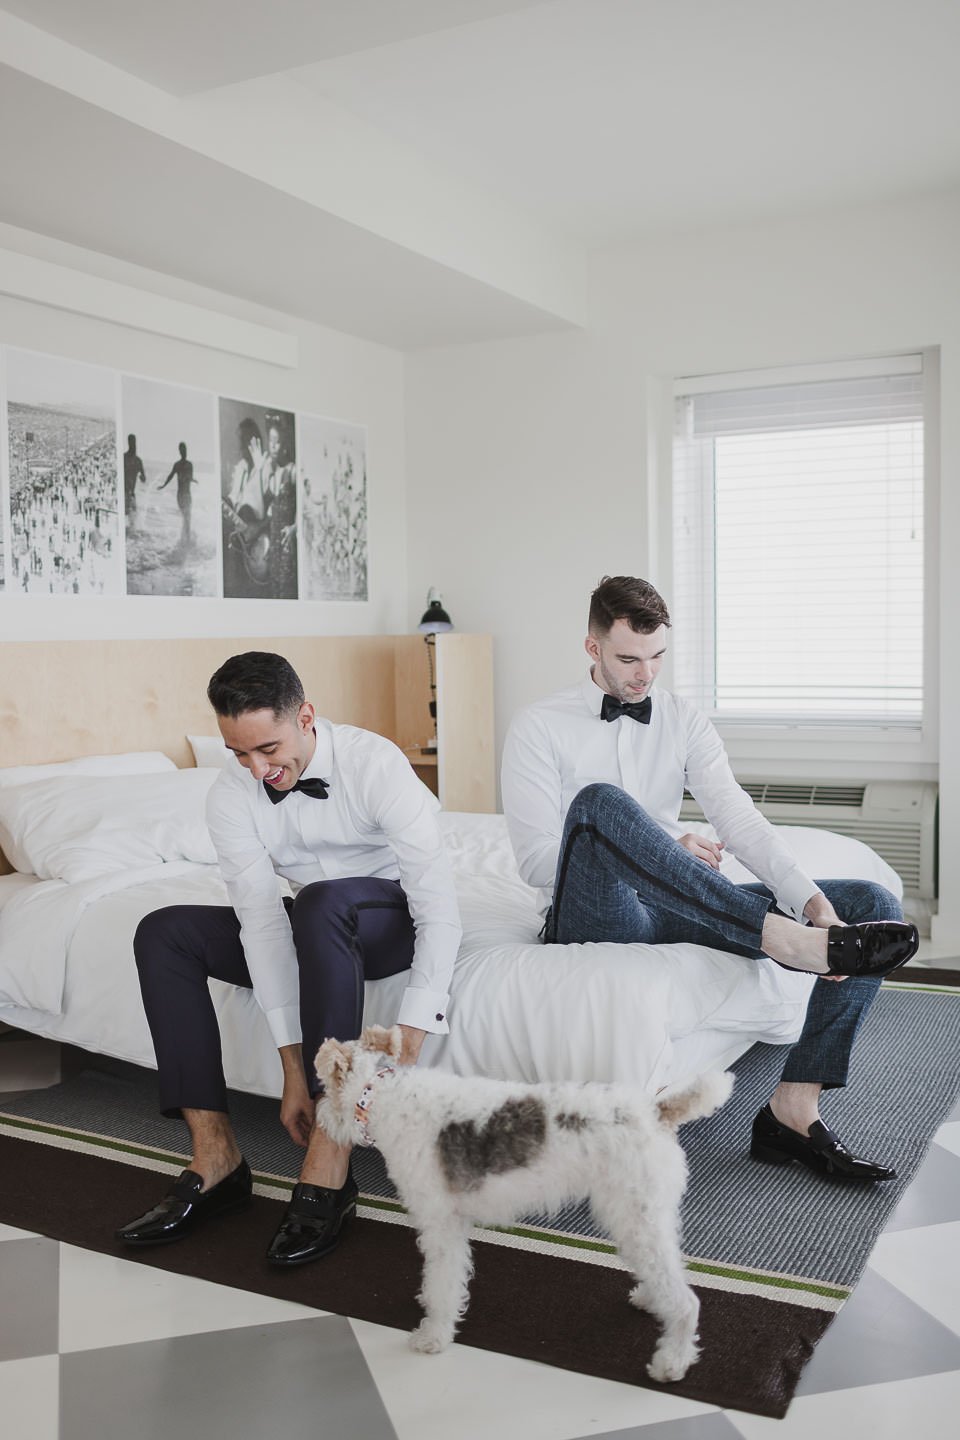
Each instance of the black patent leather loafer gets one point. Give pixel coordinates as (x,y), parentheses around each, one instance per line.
(313,1222)
(820,1150)
(187,1204)
(876,947)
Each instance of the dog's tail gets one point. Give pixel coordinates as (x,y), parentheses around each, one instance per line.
(707,1093)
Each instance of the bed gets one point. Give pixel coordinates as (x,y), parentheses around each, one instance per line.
(95,852)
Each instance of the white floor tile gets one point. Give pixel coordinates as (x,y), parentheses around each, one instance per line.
(949,1136)
(10,1232)
(923,1409)
(924,1264)
(109,1301)
(476,1394)
(30,1397)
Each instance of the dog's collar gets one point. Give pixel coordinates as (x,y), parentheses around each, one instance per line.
(362,1107)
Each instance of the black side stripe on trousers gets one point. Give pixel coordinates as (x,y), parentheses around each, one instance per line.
(358,974)
(586,829)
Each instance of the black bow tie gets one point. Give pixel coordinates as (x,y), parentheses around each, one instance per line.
(316,789)
(612,709)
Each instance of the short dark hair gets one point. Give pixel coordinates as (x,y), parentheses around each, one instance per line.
(255,680)
(623,597)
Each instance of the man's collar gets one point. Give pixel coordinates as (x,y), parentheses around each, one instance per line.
(592,693)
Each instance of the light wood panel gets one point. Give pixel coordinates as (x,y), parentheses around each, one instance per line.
(63,699)
(465,732)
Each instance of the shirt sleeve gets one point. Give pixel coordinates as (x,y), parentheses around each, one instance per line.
(254,891)
(532,790)
(743,830)
(405,812)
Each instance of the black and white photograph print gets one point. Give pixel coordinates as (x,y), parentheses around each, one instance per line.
(333,498)
(171,495)
(63,477)
(258,488)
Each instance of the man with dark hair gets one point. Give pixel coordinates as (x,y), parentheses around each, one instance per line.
(593,779)
(339,814)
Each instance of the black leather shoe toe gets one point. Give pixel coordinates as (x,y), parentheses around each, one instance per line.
(874,947)
(186,1205)
(313,1222)
(820,1150)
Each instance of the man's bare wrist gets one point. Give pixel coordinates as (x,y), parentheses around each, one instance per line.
(291,1058)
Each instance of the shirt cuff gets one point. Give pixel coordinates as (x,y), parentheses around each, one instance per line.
(794,892)
(424,1010)
(285,1025)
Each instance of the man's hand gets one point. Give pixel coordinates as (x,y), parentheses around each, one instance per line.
(820,912)
(709,851)
(412,1041)
(297,1108)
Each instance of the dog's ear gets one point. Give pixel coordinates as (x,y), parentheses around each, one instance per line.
(390,1042)
(333,1063)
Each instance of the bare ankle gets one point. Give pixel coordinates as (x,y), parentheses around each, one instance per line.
(796,1105)
(803,947)
(215,1165)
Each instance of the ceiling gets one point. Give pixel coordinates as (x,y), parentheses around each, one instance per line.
(427,171)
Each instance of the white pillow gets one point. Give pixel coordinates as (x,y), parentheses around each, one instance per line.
(80,828)
(144,762)
(210,750)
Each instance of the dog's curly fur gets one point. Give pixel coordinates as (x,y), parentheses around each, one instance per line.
(473,1151)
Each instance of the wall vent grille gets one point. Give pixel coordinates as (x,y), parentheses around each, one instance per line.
(897,819)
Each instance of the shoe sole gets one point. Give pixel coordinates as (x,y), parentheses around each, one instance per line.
(136,1244)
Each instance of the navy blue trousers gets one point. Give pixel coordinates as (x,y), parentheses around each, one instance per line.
(344,932)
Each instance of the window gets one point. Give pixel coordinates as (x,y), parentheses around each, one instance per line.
(799,545)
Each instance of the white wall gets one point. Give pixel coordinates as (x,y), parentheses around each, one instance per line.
(534,468)
(337,375)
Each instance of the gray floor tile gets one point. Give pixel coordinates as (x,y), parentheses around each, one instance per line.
(879,1335)
(304,1380)
(30,1272)
(694,1427)
(934,1196)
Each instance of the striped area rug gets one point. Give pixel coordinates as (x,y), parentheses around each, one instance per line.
(772,1251)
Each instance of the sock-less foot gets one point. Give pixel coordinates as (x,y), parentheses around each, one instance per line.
(186,1205)
(314,1220)
(873,947)
(820,1150)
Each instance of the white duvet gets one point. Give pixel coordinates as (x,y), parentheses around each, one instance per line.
(645,1014)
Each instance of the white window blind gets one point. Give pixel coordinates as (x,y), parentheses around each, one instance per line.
(798,547)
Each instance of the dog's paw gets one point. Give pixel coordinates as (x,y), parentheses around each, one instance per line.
(638,1296)
(671,1362)
(428,1340)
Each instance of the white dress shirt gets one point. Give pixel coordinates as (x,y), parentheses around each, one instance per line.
(558,745)
(378,820)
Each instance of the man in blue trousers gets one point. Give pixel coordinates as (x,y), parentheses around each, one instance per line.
(338,813)
(593,779)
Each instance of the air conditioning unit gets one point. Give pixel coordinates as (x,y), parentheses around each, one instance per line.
(897,818)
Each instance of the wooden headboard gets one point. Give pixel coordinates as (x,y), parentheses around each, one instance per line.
(62,699)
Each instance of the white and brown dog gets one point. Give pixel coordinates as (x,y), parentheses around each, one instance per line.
(470,1151)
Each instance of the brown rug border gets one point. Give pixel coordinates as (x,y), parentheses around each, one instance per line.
(925,975)
(754,1349)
